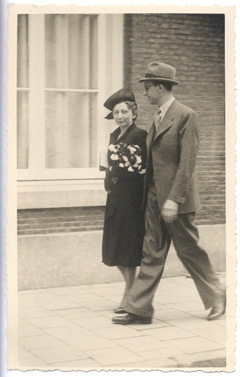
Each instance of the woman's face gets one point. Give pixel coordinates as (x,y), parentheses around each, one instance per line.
(122,115)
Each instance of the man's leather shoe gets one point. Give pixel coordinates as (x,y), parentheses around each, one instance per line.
(119,311)
(218,309)
(131,319)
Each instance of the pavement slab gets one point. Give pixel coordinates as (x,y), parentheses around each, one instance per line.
(28,330)
(76,365)
(94,322)
(167,314)
(167,298)
(68,332)
(31,363)
(58,354)
(75,313)
(117,332)
(187,306)
(34,312)
(22,322)
(23,353)
(168,333)
(115,356)
(49,322)
(90,342)
(140,344)
(194,344)
(153,364)
(163,352)
(71,328)
(190,323)
(99,305)
(40,341)
(197,358)
(68,291)
(115,298)
(84,297)
(216,334)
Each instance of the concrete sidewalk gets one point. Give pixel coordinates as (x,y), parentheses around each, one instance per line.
(70,328)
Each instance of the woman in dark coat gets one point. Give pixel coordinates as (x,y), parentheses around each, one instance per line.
(124,219)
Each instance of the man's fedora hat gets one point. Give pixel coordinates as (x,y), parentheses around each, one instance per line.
(121,95)
(157,71)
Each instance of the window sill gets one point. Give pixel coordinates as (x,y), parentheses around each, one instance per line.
(60,193)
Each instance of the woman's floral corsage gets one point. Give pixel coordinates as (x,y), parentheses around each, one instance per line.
(126,157)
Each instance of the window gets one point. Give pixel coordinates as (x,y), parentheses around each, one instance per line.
(71,91)
(65,71)
(22,93)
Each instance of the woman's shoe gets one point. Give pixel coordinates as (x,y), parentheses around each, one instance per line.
(119,311)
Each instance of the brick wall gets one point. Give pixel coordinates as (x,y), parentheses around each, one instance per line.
(194,44)
(59,220)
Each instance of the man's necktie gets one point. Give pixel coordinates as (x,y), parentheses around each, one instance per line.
(158,119)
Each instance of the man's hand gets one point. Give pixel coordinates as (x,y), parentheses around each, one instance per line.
(169,211)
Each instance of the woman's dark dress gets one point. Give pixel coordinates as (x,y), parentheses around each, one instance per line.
(124,219)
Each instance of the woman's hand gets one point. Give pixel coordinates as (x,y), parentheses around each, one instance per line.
(109,181)
(114,180)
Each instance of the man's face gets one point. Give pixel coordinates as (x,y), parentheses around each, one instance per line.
(152,92)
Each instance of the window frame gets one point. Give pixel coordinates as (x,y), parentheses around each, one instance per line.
(109,79)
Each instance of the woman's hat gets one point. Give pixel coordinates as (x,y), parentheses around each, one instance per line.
(161,72)
(121,95)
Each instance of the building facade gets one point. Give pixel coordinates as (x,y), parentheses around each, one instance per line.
(67,65)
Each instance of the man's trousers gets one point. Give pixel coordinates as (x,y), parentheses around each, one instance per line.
(157,240)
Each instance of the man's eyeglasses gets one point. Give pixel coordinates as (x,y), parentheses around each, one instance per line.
(147,87)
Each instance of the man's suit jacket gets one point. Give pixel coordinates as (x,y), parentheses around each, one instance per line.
(171,155)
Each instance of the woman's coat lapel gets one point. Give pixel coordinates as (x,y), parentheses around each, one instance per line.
(114,135)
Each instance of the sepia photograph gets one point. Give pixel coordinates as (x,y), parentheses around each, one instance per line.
(120,193)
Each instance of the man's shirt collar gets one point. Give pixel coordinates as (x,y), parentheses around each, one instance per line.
(164,108)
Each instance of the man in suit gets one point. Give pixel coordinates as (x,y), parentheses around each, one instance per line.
(172,198)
